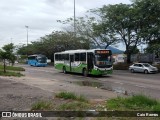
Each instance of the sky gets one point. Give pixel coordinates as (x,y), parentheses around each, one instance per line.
(40,16)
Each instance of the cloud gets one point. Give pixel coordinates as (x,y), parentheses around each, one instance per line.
(40,15)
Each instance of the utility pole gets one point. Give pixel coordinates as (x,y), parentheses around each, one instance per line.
(11,40)
(74,19)
(27,35)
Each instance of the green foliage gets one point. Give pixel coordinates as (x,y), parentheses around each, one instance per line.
(86,28)
(154,48)
(138,102)
(12,68)
(42,105)
(121,66)
(158,66)
(149,18)
(9,73)
(7,54)
(69,95)
(120,24)
(132,24)
(55,42)
(66,95)
(134,49)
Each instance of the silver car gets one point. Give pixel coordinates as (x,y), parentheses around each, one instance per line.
(143,67)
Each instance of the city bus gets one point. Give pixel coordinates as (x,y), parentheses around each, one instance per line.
(93,61)
(37,60)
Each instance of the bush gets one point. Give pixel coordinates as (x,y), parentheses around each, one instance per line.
(42,105)
(121,66)
(137,102)
(158,66)
(70,95)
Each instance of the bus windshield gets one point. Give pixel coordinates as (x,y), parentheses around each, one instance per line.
(103,59)
(42,59)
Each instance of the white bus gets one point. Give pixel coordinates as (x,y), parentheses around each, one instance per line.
(94,61)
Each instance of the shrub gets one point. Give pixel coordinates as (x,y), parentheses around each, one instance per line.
(138,102)
(121,66)
(42,105)
(158,66)
(70,95)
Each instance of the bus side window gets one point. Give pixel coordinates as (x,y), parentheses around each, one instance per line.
(71,58)
(67,56)
(56,57)
(76,56)
(82,56)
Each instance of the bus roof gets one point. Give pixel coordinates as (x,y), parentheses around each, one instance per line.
(36,55)
(79,51)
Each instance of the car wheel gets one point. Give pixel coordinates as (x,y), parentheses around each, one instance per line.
(132,70)
(145,71)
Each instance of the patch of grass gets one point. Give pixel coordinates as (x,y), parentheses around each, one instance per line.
(12,68)
(75,105)
(16,74)
(66,95)
(138,102)
(70,95)
(42,105)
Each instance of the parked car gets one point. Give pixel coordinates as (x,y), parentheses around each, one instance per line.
(143,67)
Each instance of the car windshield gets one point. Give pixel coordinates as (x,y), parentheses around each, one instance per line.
(147,65)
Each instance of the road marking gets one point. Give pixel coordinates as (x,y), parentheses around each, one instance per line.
(140,86)
(119,83)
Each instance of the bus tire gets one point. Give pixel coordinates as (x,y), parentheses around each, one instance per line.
(64,70)
(85,73)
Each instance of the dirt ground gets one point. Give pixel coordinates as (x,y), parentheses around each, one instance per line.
(18,96)
(15,96)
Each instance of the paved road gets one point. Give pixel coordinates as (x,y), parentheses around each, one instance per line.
(120,82)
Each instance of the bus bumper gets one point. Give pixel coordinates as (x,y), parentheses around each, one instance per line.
(101,72)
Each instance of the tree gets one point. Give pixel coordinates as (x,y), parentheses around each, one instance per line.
(87,28)
(55,42)
(119,22)
(154,47)
(134,50)
(7,54)
(149,18)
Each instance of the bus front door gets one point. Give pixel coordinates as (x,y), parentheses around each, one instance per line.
(70,62)
(89,61)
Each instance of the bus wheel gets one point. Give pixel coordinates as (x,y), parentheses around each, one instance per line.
(85,73)
(64,70)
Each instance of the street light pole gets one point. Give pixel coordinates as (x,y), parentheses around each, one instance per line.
(11,40)
(74,19)
(27,35)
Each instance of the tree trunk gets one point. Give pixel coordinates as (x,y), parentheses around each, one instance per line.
(4,62)
(128,58)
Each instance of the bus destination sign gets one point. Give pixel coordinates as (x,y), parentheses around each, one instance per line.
(102,51)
